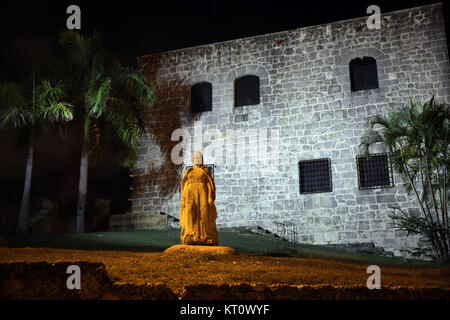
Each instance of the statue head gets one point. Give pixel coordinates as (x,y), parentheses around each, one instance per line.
(197,158)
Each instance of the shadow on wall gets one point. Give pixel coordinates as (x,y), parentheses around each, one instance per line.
(170,111)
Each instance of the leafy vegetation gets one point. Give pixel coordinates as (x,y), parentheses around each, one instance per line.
(30,110)
(417,138)
(110,101)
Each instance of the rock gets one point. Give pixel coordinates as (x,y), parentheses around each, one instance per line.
(181,249)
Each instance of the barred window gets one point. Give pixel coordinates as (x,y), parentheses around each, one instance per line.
(209,166)
(374,172)
(363,74)
(315,176)
(201,97)
(246,91)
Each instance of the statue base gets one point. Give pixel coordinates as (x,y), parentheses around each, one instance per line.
(200,249)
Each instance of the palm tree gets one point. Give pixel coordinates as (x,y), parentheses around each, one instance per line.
(29,112)
(418,138)
(110,101)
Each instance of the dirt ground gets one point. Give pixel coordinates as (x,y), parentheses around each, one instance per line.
(178,271)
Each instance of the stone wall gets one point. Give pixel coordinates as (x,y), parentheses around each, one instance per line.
(307,111)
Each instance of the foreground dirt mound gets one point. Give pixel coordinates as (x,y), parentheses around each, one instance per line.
(47,281)
(309,292)
(43,280)
(143,291)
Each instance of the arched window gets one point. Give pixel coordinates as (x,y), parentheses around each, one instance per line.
(363,73)
(201,97)
(246,91)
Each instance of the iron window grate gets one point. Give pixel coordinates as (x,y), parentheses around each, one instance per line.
(374,171)
(209,166)
(315,176)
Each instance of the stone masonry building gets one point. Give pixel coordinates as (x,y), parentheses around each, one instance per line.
(318,87)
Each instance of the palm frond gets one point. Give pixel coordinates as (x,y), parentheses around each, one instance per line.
(97,96)
(100,142)
(12,95)
(134,81)
(113,96)
(45,92)
(126,127)
(16,110)
(57,112)
(51,108)
(370,139)
(77,47)
(417,137)
(17,118)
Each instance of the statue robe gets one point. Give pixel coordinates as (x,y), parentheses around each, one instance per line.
(197,210)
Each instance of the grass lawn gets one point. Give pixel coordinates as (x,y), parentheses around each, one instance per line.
(245,242)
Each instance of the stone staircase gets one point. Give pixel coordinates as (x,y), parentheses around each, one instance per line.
(172,222)
(261,230)
(365,248)
(255,230)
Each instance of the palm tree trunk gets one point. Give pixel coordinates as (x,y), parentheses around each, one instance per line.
(82,189)
(22,225)
(84,169)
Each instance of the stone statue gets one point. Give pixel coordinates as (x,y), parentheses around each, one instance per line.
(197,210)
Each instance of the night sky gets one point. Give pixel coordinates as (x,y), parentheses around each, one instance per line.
(131,28)
(134,28)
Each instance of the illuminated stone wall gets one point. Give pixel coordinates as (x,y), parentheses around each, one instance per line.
(306,100)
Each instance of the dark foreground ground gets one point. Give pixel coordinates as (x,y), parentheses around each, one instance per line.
(262,270)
